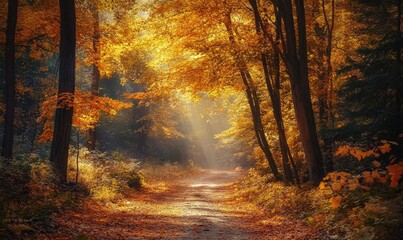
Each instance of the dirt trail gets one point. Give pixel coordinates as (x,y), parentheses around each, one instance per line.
(211,215)
(201,207)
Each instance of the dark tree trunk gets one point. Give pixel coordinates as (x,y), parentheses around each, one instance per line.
(9,94)
(399,82)
(142,126)
(274,95)
(92,133)
(253,101)
(322,49)
(297,66)
(64,114)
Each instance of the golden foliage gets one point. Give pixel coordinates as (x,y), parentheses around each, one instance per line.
(361,154)
(86,110)
(335,201)
(337,181)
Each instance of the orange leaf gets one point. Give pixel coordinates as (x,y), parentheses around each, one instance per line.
(385,148)
(322,185)
(336,186)
(335,201)
(376,164)
(375,174)
(353,184)
(367,177)
(383,179)
(395,180)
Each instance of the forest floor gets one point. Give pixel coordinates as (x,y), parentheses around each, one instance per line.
(203,206)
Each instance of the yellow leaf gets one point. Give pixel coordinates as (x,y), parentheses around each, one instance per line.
(322,185)
(342,151)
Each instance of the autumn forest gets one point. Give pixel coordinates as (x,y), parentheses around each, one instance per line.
(220,119)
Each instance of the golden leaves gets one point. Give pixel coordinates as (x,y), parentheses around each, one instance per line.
(336,186)
(339,181)
(357,153)
(360,154)
(86,110)
(367,177)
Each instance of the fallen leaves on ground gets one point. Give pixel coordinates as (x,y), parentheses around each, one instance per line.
(199,207)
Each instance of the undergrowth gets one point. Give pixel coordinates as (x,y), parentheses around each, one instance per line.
(374,213)
(30,192)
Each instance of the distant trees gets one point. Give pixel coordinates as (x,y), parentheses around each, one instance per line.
(96,75)
(279,37)
(10,89)
(373,83)
(64,112)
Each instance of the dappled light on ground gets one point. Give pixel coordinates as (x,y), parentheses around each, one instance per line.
(198,207)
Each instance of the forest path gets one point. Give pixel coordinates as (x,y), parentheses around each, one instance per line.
(198,207)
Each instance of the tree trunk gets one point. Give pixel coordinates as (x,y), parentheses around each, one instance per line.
(399,84)
(64,114)
(92,133)
(328,143)
(297,66)
(9,94)
(274,96)
(253,101)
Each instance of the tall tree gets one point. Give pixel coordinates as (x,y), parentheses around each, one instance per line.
(321,48)
(272,79)
(296,62)
(64,112)
(9,94)
(252,96)
(373,79)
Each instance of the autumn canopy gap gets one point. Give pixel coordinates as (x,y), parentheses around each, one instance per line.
(220,119)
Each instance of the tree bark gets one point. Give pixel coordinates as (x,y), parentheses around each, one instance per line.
(9,94)
(297,66)
(92,133)
(64,114)
(275,95)
(253,101)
